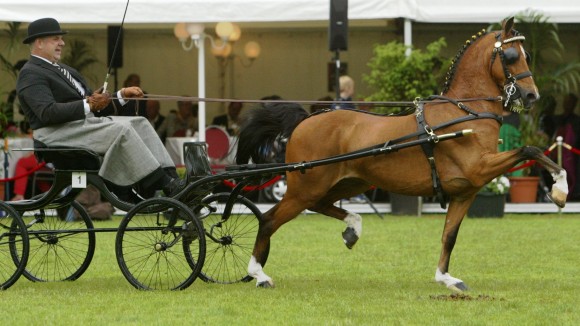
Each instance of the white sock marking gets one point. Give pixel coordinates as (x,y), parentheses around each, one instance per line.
(354,221)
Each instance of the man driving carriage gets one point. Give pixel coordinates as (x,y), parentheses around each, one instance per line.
(64,111)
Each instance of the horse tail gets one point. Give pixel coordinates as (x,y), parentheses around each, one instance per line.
(263,126)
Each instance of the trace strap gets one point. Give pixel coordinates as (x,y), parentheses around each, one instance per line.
(68,76)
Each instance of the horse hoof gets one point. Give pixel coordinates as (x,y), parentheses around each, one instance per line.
(558,197)
(458,287)
(350,238)
(265,284)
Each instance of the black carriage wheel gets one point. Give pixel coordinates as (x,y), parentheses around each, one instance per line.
(61,245)
(13,243)
(227,258)
(160,245)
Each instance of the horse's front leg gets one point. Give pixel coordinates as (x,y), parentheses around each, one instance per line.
(500,163)
(455,213)
(287,209)
(559,191)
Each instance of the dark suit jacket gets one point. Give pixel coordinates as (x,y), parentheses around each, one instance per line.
(159,122)
(221,120)
(47,97)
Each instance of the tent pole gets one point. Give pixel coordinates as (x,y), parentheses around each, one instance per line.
(408,36)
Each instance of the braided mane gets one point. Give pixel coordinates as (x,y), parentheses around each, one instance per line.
(455,61)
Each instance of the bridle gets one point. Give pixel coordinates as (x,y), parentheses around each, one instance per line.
(511,90)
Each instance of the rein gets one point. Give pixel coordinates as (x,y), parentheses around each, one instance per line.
(372,103)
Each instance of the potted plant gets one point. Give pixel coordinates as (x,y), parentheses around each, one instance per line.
(490,200)
(397,74)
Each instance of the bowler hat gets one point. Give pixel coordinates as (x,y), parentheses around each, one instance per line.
(41,28)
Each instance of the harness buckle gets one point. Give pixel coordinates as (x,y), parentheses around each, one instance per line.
(510,90)
(432,136)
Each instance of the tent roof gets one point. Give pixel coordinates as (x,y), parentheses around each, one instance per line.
(204,11)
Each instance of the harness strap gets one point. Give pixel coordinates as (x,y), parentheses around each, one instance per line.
(428,149)
(470,117)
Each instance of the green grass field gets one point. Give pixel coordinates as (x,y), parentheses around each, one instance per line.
(522,270)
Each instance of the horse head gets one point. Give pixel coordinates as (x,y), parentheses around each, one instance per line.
(510,70)
(493,63)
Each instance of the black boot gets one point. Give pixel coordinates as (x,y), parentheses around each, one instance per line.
(173,187)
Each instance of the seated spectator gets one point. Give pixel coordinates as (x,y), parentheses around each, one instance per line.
(154,117)
(182,122)
(24,166)
(321,106)
(134,107)
(231,119)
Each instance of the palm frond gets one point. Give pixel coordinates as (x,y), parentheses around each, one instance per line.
(79,55)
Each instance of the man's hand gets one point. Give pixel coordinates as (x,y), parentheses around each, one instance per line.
(131,92)
(98,101)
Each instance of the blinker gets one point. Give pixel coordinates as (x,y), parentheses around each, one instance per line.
(511,55)
(528,57)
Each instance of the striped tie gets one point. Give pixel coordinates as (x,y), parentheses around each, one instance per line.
(68,76)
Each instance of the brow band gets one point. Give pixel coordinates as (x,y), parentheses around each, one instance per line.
(515,38)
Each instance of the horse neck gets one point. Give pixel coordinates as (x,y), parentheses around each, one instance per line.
(473,79)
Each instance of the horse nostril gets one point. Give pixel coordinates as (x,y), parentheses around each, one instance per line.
(532,97)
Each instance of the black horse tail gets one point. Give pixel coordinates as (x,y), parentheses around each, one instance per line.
(263,127)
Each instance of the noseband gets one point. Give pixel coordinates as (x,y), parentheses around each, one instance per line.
(511,89)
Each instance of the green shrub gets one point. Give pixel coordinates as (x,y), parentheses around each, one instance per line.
(397,77)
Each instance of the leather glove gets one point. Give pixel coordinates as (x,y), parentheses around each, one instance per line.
(131,92)
(98,101)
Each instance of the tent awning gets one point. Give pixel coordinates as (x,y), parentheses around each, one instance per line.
(204,11)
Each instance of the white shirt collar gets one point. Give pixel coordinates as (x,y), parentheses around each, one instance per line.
(41,58)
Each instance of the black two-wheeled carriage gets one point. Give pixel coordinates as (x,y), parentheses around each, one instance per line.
(161,243)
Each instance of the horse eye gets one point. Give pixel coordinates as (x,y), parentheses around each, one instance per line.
(511,55)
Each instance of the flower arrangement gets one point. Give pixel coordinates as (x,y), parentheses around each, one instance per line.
(498,186)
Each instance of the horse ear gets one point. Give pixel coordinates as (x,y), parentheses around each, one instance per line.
(507,25)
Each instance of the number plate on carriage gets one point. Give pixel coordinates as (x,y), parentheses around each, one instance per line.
(79,180)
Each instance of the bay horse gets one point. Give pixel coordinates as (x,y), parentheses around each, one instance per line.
(491,65)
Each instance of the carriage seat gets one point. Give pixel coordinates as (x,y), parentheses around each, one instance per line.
(67,158)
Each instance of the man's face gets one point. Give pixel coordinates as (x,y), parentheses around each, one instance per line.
(185,109)
(49,47)
(152,109)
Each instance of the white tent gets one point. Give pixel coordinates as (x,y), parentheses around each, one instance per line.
(172,11)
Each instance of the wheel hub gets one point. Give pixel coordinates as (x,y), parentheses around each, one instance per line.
(160,246)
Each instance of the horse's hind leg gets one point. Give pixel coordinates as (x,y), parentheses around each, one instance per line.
(353,222)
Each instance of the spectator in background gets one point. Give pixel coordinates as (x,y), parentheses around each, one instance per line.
(135,107)
(24,166)
(230,120)
(182,123)
(547,117)
(321,106)
(568,126)
(346,85)
(154,117)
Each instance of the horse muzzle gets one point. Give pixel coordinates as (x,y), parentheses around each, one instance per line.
(516,95)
